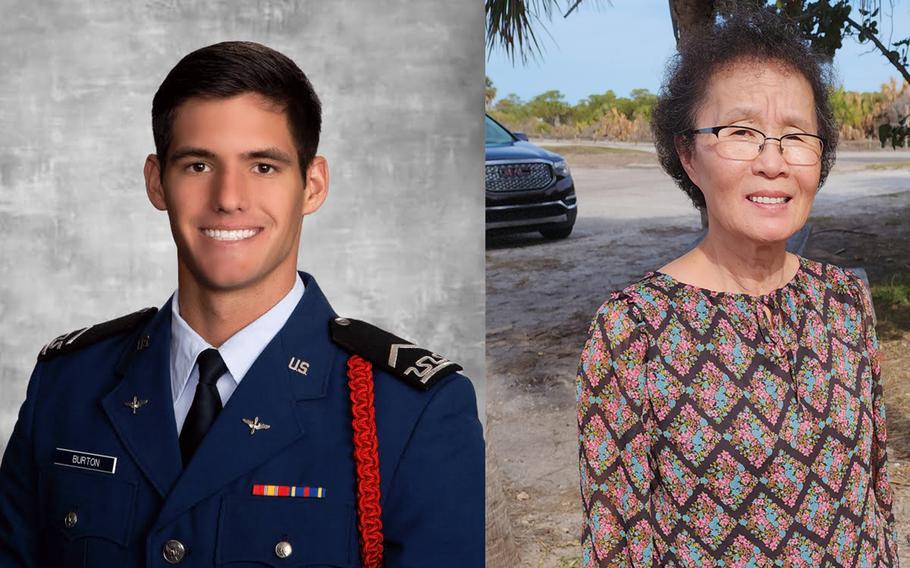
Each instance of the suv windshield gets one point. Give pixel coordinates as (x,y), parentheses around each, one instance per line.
(496,134)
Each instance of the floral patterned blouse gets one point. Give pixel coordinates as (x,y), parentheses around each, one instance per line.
(721,429)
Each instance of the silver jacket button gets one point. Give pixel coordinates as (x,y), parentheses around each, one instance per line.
(342,321)
(70,520)
(173,551)
(283,549)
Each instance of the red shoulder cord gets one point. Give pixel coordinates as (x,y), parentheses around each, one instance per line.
(366,461)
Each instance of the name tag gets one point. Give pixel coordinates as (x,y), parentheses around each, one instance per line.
(85,460)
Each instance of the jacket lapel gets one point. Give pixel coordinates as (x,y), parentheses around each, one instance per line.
(150,432)
(294,366)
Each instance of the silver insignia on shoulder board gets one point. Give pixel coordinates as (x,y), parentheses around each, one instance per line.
(393,352)
(64,340)
(255,425)
(427,366)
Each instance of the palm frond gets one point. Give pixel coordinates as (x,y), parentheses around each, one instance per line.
(512,25)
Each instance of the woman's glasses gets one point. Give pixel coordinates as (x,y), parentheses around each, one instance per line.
(745,144)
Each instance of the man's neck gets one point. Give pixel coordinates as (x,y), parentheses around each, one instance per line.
(216,315)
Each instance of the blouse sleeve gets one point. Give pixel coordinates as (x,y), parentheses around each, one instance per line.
(615,433)
(881,484)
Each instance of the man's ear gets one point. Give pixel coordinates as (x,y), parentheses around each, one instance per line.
(317,185)
(685,150)
(153,186)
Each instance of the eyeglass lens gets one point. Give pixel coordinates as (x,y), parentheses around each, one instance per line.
(745,144)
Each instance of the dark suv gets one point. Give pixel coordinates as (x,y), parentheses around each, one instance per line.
(528,188)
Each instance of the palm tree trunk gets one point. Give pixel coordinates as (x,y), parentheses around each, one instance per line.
(502,552)
(689,15)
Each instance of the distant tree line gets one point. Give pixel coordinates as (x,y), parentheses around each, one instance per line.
(608,116)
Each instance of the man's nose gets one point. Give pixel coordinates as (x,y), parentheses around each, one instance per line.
(230,191)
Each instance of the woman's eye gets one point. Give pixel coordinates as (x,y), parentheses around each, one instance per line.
(742,133)
(265,168)
(798,139)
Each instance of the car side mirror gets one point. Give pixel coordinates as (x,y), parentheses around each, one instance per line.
(521,136)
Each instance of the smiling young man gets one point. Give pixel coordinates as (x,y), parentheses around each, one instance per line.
(243,422)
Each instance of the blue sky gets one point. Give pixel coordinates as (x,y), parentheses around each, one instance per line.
(625,45)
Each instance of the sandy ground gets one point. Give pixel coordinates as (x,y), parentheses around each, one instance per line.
(541,296)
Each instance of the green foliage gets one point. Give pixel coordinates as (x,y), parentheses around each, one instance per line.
(550,107)
(489,93)
(603,115)
(856,110)
(606,115)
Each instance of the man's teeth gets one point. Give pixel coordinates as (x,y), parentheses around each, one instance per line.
(762,199)
(222,235)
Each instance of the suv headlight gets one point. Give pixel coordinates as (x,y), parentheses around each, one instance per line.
(561,168)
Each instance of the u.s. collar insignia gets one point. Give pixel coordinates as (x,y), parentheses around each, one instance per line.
(415,365)
(299,365)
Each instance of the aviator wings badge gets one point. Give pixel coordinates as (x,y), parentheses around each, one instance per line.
(135,404)
(255,425)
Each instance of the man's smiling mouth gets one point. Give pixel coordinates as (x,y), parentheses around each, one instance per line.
(230,234)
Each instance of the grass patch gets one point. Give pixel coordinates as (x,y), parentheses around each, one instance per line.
(904,165)
(891,298)
(594,150)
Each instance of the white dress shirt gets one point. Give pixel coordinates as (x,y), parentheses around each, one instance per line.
(239,352)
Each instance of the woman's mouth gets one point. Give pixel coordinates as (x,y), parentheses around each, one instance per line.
(767,200)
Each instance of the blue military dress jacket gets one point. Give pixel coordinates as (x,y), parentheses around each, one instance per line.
(92,475)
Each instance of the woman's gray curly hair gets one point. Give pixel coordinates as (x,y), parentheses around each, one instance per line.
(743,36)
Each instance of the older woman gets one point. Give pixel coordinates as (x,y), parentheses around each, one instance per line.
(729,404)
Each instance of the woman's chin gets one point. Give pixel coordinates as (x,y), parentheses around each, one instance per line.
(770,233)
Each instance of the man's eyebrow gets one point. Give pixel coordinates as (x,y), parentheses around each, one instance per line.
(190,152)
(268,154)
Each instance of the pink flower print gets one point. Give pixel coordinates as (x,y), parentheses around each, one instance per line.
(786,477)
(767,521)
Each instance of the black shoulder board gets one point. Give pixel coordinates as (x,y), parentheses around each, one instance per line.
(75,340)
(414,365)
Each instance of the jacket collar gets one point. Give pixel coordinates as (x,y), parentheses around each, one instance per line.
(295,365)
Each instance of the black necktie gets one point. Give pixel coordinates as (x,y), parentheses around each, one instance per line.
(206,404)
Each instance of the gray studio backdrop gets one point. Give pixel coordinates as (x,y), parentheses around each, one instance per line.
(399,241)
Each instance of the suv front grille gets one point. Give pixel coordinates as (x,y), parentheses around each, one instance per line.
(518,176)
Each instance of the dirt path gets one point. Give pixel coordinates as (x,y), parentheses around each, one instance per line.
(541,297)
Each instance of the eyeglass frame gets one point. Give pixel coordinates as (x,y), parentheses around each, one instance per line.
(715,129)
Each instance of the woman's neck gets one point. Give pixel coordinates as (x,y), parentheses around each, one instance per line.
(733,265)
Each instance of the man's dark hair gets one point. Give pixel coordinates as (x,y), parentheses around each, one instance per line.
(744,36)
(233,68)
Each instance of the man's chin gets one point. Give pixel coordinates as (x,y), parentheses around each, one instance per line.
(225,279)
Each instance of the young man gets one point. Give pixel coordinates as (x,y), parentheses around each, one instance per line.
(243,421)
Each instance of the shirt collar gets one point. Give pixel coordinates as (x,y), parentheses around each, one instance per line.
(239,352)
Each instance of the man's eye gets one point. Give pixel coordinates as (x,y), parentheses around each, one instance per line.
(198,167)
(265,169)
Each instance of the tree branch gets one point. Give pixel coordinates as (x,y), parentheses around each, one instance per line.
(889,54)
